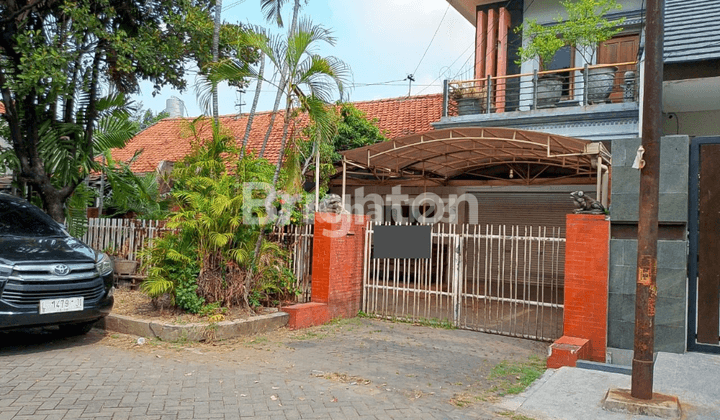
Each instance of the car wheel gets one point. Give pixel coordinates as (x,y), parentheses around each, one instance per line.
(76,329)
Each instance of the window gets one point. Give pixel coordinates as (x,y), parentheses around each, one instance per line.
(564,59)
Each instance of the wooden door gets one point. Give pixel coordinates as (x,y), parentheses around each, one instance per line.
(709,246)
(704,240)
(621,49)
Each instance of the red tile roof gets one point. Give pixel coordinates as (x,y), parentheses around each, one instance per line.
(170,139)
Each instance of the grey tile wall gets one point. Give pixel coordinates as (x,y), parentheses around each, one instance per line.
(671,309)
(671,306)
(674,156)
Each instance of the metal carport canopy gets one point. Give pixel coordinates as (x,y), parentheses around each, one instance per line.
(451,152)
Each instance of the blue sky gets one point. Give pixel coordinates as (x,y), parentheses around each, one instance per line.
(381,40)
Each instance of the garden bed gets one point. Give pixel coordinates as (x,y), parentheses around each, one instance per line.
(134,313)
(137,304)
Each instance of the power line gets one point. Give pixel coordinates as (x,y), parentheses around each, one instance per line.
(376,83)
(451,64)
(433,39)
(230,6)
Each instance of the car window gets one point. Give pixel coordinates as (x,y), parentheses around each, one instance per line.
(20,218)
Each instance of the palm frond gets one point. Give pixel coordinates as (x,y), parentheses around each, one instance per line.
(272,10)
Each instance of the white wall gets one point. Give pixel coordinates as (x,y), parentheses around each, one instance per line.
(700,123)
(545,11)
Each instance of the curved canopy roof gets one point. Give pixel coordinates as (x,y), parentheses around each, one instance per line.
(477,151)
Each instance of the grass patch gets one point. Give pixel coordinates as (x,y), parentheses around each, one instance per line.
(513,378)
(424,322)
(513,416)
(505,378)
(309,335)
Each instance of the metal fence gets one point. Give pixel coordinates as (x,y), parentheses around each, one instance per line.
(501,279)
(580,86)
(298,241)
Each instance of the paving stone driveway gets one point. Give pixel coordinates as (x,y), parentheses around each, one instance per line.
(362,369)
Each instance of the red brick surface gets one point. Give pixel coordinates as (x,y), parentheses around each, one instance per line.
(566,351)
(587,254)
(309,314)
(338,247)
(170,139)
(337,262)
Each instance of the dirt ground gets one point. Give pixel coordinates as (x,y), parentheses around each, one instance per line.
(131,302)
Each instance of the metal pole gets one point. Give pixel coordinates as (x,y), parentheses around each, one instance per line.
(446,90)
(102,187)
(317,174)
(342,199)
(646,291)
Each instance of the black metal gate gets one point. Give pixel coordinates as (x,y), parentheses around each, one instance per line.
(704,235)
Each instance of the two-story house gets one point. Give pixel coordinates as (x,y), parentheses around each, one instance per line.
(516,151)
(508,94)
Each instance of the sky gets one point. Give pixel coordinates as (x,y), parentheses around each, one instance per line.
(382,41)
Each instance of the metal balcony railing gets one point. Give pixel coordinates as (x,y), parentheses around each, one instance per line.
(579,86)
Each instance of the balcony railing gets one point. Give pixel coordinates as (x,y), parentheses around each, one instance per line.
(579,86)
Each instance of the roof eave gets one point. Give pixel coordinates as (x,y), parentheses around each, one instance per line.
(467,7)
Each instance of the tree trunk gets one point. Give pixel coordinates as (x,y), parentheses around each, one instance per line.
(281,155)
(283,81)
(251,116)
(278,96)
(216,56)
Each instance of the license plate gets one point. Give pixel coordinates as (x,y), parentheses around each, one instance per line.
(51,306)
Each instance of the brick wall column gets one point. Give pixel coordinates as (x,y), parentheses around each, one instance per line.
(338,248)
(587,262)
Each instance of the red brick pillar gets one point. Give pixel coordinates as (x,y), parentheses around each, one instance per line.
(337,270)
(338,246)
(587,261)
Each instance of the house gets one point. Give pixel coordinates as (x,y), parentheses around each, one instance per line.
(691,108)
(519,151)
(516,98)
(169,140)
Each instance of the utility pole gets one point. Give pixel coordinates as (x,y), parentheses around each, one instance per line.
(646,288)
(216,56)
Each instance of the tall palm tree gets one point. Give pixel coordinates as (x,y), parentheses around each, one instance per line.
(273,11)
(310,81)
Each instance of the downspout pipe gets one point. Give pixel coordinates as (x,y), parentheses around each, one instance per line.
(603,178)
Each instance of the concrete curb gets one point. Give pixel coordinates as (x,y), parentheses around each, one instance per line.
(194,332)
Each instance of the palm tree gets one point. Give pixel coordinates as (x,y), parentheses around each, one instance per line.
(319,76)
(273,11)
(310,81)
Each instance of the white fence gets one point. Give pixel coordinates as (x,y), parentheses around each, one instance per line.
(123,238)
(504,280)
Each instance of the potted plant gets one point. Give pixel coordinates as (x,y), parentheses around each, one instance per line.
(583,30)
(542,44)
(470,97)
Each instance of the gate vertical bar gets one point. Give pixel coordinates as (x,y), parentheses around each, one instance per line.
(457,274)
